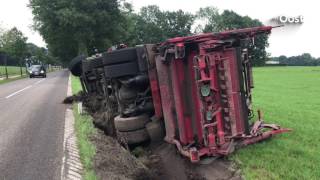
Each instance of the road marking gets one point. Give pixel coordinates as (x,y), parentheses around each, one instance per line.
(39,81)
(17,92)
(71,165)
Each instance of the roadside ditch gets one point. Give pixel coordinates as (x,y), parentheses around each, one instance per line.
(154,161)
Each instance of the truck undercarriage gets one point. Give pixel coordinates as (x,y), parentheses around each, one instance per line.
(194,91)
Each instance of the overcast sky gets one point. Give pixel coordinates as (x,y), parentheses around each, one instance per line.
(289,40)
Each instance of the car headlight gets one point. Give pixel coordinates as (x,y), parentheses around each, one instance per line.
(41,71)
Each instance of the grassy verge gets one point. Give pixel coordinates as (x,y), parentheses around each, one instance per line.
(289,96)
(12,79)
(84,129)
(12,70)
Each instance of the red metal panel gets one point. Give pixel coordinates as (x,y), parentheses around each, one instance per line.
(177,78)
(155,90)
(166,99)
(246,32)
(234,96)
(195,97)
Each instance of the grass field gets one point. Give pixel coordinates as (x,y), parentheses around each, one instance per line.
(289,96)
(84,128)
(12,70)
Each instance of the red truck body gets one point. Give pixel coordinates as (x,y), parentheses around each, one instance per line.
(198,86)
(201,88)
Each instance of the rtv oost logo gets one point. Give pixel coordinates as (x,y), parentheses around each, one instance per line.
(288,19)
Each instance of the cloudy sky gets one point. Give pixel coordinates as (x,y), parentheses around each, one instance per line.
(289,40)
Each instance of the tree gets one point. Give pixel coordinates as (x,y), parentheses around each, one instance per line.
(210,20)
(304,59)
(1,32)
(72,27)
(151,25)
(14,44)
(38,55)
(283,59)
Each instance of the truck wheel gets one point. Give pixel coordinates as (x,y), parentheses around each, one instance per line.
(130,123)
(133,137)
(75,65)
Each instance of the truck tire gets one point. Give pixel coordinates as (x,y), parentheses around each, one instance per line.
(130,123)
(119,56)
(75,65)
(133,137)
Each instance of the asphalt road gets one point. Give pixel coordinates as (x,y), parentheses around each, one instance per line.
(32,127)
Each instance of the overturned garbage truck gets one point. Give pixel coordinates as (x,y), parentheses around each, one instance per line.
(195,91)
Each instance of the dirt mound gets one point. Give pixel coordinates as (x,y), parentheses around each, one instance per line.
(113,162)
(166,162)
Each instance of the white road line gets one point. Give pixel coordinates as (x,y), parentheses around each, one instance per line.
(71,165)
(17,92)
(39,81)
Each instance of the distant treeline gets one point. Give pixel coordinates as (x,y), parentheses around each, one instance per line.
(71,28)
(16,51)
(10,60)
(302,60)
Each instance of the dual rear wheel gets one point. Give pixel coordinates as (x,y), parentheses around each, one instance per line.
(138,129)
(132,130)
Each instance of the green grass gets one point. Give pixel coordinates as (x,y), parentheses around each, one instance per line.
(76,85)
(289,96)
(12,70)
(84,129)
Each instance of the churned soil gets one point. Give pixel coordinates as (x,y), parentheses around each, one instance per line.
(166,162)
(113,162)
(154,162)
(150,161)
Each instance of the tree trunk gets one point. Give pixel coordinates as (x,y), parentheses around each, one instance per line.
(5,61)
(21,68)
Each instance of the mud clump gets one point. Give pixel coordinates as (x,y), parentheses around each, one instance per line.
(80,97)
(113,162)
(71,99)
